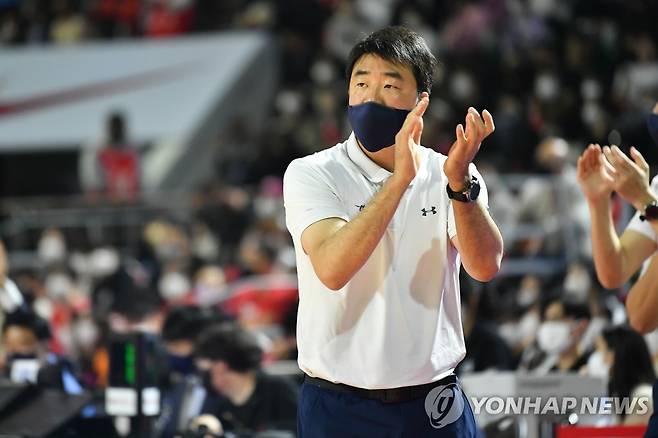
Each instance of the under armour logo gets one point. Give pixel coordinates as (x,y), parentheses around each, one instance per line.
(360,207)
(431,210)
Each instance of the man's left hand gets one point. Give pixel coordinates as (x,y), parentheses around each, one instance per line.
(466,146)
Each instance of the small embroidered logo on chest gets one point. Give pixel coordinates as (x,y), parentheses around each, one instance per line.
(360,207)
(431,210)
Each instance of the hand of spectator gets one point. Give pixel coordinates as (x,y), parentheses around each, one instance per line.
(595,174)
(466,146)
(655,108)
(631,176)
(407,140)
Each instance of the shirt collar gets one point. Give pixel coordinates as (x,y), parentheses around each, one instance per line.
(369,168)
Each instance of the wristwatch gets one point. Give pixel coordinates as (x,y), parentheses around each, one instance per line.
(469,194)
(650,212)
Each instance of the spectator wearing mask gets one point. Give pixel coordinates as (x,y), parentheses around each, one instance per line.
(245,399)
(26,356)
(558,338)
(183,397)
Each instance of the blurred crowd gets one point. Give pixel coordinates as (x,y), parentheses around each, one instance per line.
(555,75)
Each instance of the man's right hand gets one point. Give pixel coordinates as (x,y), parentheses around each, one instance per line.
(595,174)
(407,141)
(631,176)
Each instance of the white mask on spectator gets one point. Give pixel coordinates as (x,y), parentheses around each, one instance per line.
(289,102)
(553,336)
(44,308)
(173,286)
(547,86)
(591,113)
(322,72)
(168,251)
(528,324)
(58,285)
(462,86)
(103,262)
(509,332)
(51,249)
(266,206)
(577,283)
(85,333)
(375,12)
(205,246)
(207,294)
(286,258)
(597,367)
(526,296)
(590,89)
(210,285)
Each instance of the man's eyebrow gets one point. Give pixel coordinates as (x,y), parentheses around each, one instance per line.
(393,74)
(390,74)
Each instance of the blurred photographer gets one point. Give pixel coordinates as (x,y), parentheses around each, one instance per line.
(243,398)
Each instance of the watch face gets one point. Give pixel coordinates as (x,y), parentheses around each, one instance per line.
(475,191)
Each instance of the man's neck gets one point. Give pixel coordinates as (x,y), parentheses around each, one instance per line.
(384,158)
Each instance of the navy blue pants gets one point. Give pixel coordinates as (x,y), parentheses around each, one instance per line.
(652,428)
(444,412)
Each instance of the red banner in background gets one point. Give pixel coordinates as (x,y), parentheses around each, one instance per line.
(600,432)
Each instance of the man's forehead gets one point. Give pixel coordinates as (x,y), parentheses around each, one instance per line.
(368,62)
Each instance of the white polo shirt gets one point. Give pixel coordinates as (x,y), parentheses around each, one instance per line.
(644,227)
(397,322)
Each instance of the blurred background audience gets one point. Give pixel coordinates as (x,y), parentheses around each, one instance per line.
(555,75)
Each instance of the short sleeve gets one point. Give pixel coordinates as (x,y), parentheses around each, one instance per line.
(483,199)
(640,226)
(308,197)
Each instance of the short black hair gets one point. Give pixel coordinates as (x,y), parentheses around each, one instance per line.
(185,323)
(231,344)
(27,319)
(399,45)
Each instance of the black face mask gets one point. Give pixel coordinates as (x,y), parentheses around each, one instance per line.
(182,364)
(376,125)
